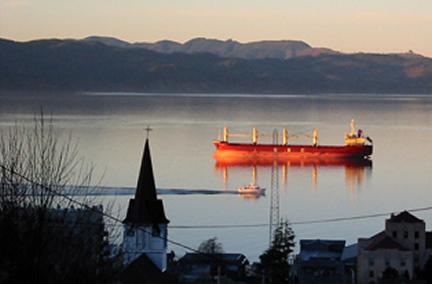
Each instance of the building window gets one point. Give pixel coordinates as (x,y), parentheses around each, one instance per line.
(130,232)
(394,234)
(371,261)
(155,231)
(405,234)
(416,234)
(416,246)
(371,274)
(402,262)
(387,262)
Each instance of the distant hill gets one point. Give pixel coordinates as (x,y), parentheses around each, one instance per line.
(88,65)
(283,49)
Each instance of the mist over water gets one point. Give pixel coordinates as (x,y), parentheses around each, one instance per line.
(110,130)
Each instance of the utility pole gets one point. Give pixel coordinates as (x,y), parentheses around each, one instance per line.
(274,202)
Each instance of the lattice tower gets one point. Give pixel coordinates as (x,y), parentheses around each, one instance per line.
(274,202)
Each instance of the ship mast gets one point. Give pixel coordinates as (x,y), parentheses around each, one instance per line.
(285,137)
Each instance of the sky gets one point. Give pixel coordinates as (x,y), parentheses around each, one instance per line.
(378,26)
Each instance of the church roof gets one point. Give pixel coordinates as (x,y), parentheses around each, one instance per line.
(404,217)
(145,208)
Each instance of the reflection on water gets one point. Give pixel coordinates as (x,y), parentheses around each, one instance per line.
(355,170)
(251,196)
(110,130)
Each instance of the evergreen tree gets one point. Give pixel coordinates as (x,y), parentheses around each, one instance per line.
(275,260)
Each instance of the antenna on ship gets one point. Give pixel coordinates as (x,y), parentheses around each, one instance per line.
(274,198)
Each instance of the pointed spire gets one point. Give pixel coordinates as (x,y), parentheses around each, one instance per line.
(145,208)
(146,188)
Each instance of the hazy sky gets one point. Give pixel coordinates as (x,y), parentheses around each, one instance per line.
(381,26)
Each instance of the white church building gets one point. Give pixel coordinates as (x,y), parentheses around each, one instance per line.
(146,226)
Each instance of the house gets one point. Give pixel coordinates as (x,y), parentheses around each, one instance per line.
(200,267)
(402,246)
(51,244)
(143,271)
(145,225)
(321,261)
(84,229)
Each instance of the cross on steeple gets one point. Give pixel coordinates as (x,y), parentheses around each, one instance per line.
(148,129)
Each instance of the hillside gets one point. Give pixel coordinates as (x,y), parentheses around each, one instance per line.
(283,49)
(93,66)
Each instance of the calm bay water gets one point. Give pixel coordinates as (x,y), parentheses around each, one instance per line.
(110,129)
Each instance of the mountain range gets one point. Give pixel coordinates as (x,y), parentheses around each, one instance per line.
(206,66)
(283,49)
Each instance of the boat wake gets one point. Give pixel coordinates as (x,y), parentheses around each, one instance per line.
(118,191)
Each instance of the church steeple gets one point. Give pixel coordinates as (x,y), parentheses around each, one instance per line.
(146,226)
(145,208)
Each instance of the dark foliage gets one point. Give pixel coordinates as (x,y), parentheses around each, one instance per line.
(426,272)
(390,273)
(210,246)
(275,260)
(44,237)
(40,245)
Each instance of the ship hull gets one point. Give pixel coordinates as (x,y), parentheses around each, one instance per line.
(227,150)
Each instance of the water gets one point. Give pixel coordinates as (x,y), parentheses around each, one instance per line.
(111,132)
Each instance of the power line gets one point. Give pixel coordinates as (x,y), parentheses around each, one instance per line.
(331,220)
(115,219)
(82,204)
(71,199)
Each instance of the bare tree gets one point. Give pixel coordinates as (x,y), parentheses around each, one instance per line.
(45,235)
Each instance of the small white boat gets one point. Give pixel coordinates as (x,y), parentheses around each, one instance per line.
(251,189)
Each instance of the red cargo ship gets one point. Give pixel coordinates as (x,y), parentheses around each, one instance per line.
(357,146)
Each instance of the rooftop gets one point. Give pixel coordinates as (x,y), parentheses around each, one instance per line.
(383,241)
(404,217)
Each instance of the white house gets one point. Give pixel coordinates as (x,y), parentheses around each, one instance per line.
(402,246)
